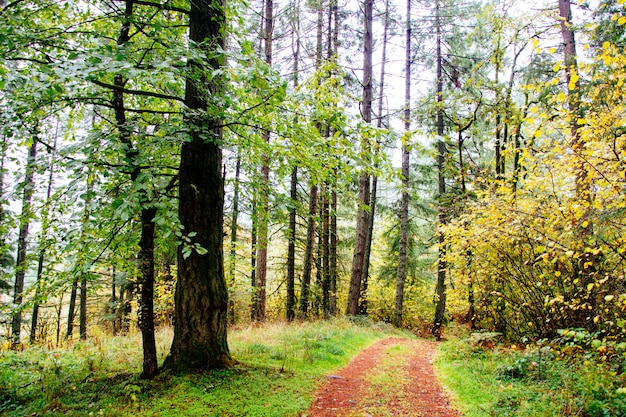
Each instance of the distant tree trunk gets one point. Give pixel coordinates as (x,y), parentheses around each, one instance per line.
(358,258)
(82,328)
(71,310)
(201,297)
(28,188)
(440,290)
(325,255)
(82,260)
(253,246)
(233,239)
(333,252)
(573,94)
(404,203)
(291,250)
(293,193)
(308,253)
(262,239)
(45,228)
(333,198)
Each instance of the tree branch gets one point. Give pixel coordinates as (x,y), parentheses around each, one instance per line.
(136,92)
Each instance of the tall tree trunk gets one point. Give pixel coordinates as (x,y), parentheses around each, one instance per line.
(234,226)
(145,257)
(71,310)
(293,193)
(262,238)
(146,307)
(364,180)
(333,198)
(82,327)
(308,253)
(573,96)
(45,228)
(253,246)
(325,254)
(440,290)
(201,297)
(404,203)
(291,250)
(28,188)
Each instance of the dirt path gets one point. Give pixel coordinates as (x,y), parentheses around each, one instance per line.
(393,377)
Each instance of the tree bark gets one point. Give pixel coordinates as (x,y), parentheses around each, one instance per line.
(45,228)
(308,253)
(146,306)
(364,180)
(28,188)
(234,226)
(404,202)
(440,289)
(201,296)
(291,250)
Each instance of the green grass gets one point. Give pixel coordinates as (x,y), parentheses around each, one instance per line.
(534,382)
(279,367)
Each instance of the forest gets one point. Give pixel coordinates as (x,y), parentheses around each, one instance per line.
(202,165)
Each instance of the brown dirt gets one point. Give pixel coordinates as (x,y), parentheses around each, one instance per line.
(413,390)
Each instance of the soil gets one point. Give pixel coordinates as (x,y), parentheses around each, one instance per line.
(409,390)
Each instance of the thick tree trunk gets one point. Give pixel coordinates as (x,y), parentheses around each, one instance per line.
(146,307)
(201,297)
(28,187)
(404,202)
(364,180)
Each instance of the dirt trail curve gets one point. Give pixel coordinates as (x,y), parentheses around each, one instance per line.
(393,377)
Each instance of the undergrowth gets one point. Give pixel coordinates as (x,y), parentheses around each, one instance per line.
(278,368)
(540,380)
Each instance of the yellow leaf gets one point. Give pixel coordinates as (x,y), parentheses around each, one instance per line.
(560,97)
(552,50)
(557,274)
(557,67)
(609,297)
(590,287)
(585,224)
(621,20)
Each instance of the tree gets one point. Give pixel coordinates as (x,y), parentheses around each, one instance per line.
(28,188)
(404,204)
(440,291)
(363,207)
(201,298)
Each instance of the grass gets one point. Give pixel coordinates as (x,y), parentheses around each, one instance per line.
(279,367)
(538,381)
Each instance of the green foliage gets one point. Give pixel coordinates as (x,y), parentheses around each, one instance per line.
(535,381)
